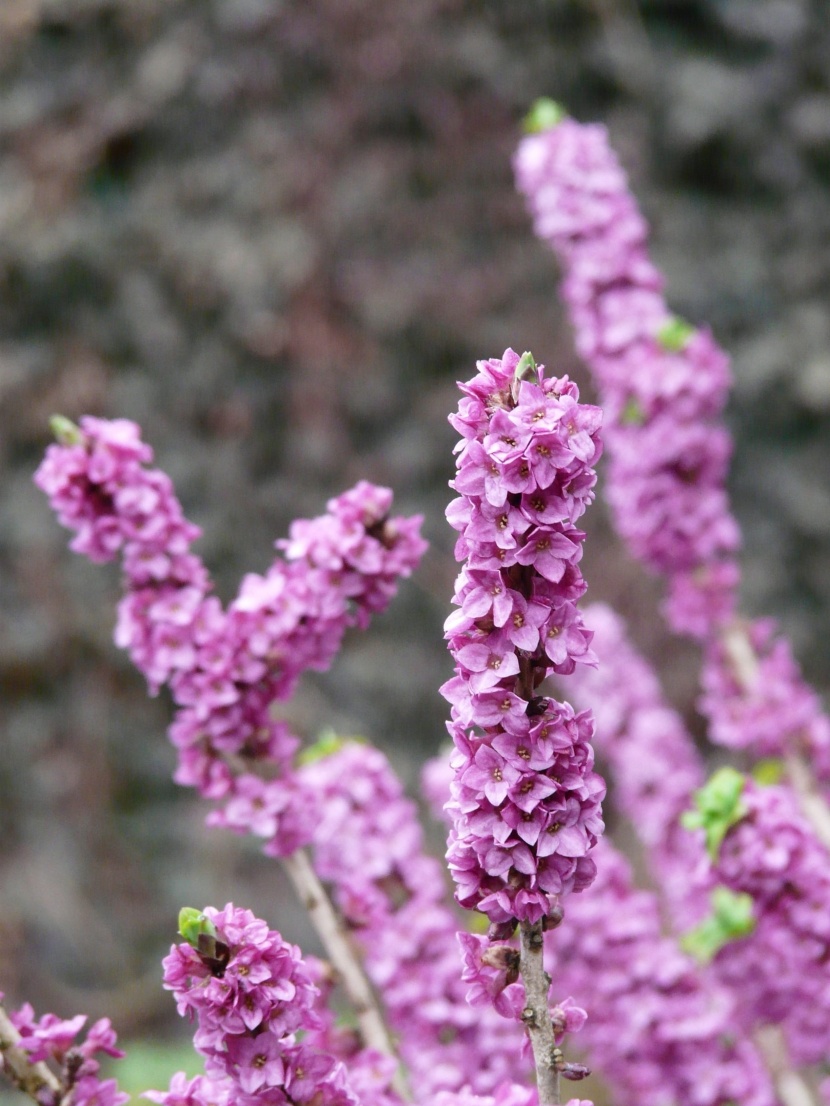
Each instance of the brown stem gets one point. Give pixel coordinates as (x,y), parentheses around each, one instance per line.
(344,959)
(746,671)
(536,1013)
(742,658)
(526,679)
(812,805)
(34,1079)
(792,1088)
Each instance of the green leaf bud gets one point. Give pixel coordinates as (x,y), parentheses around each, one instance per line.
(732,917)
(544,115)
(193,923)
(326,745)
(525,370)
(632,414)
(674,335)
(65,431)
(719,807)
(768,772)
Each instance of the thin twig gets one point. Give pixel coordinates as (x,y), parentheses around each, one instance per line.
(31,1078)
(742,658)
(812,805)
(792,1088)
(746,670)
(536,1014)
(344,960)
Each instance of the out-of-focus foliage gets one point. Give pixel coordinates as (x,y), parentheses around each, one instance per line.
(148,1065)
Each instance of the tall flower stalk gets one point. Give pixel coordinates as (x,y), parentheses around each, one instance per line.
(227,667)
(663,386)
(525,803)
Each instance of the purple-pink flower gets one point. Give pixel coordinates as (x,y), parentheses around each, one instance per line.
(663,384)
(226,668)
(251,993)
(525,801)
(54,1039)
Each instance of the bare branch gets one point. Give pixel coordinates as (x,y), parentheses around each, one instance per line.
(536,1014)
(792,1088)
(32,1078)
(344,959)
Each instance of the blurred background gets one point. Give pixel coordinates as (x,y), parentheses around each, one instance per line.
(275,233)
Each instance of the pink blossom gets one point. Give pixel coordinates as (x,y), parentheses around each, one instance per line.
(53,1038)
(370,845)
(226,668)
(524,809)
(662,385)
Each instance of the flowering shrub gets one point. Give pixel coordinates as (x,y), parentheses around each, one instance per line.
(708,986)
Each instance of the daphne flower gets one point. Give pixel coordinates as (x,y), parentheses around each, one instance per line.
(662,384)
(514,843)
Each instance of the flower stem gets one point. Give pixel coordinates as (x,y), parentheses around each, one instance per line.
(344,960)
(792,1089)
(813,806)
(745,668)
(34,1079)
(536,1014)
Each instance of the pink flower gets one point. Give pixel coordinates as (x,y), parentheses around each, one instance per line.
(663,385)
(226,669)
(523,790)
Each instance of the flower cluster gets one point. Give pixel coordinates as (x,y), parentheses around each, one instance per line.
(663,387)
(369,845)
(663,384)
(251,993)
(660,1027)
(54,1040)
(226,668)
(754,695)
(653,759)
(525,801)
(781,968)
(509,1094)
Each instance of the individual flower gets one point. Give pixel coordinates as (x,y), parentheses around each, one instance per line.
(492,970)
